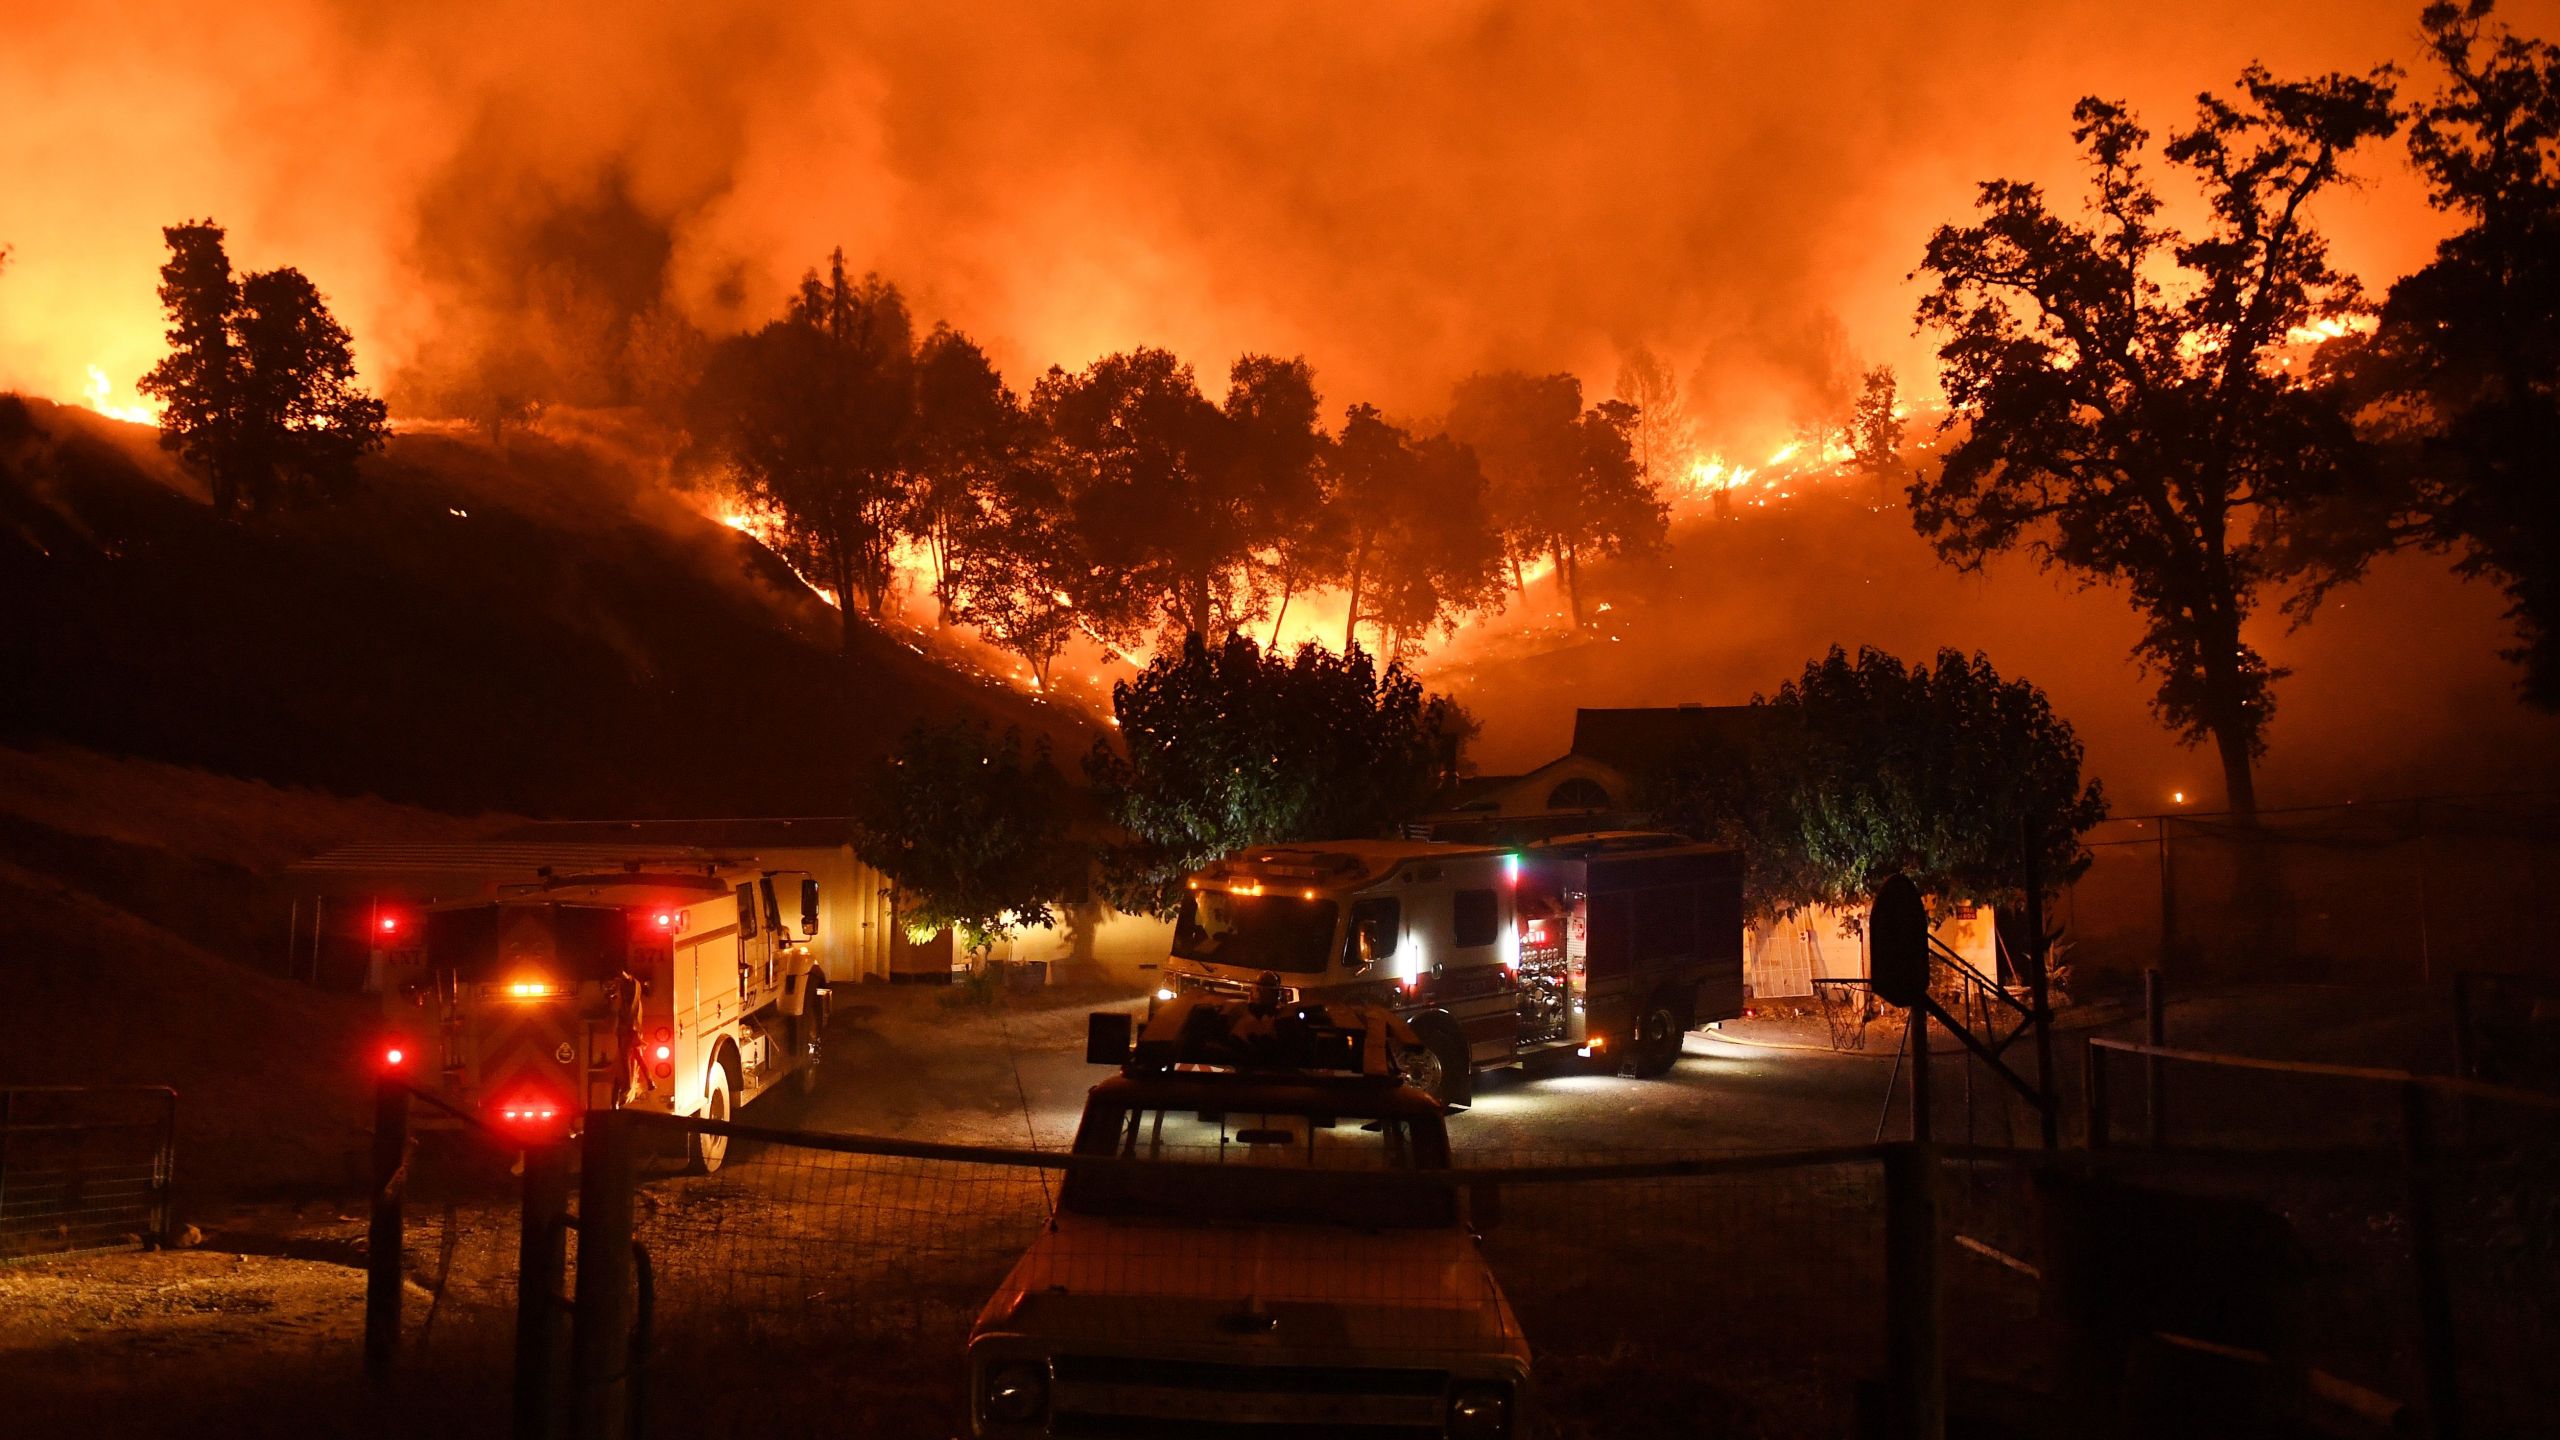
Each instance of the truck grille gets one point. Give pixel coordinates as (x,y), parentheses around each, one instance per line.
(1095,1395)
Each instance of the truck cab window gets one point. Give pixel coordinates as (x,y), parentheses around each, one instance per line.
(1370,939)
(746,912)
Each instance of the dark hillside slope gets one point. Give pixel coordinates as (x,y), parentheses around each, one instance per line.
(542,630)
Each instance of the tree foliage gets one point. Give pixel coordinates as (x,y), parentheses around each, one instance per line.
(2460,382)
(1863,768)
(258,386)
(1417,548)
(1563,480)
(973,830)
(1226,746)
(814,414)
(1025,574)
(2118,405)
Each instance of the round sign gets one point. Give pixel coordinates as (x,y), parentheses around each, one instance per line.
(1898,943)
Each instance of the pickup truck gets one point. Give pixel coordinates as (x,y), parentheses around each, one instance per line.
(1252,1240)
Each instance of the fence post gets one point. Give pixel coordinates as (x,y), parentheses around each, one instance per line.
(164,1178)
(541,1271)
(2093,1095)
(382,1268)
(2436,1352)
(2048,1113)
(2155,1032)
(600,1335)
(1916,1365)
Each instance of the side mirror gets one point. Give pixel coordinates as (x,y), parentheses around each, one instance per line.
(1108,1035)
(808,907)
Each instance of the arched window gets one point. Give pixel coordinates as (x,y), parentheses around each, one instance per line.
(1578,793)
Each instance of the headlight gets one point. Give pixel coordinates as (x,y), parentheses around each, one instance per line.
(1017,1390)
(1480,1412)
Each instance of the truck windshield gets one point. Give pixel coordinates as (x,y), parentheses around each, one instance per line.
(1268,1167)
(1287,933)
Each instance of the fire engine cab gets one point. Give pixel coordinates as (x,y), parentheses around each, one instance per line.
(1608,946)
(683,991)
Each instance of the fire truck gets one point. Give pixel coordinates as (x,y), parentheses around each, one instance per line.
(681,991)
(1604,946)
(1256,1236)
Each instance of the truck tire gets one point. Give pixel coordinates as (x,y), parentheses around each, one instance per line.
(809,1032)
(1654,1046)
(705,1154)
(1438,1066)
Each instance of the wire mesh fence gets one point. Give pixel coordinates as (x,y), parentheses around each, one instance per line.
(2390,891)
(85,1167)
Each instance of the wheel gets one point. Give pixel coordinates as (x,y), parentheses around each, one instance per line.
(1438,1066)
(704,1153)
(810,1033)
(1655,1047)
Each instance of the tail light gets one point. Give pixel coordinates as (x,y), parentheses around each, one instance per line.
(394,1057)
(387,926)
(534,1113)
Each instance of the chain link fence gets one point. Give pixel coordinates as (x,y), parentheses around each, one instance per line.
(2396,891)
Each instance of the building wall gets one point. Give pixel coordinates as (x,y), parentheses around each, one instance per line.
(1782,958)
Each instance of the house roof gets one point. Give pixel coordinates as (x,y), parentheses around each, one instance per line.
(717,834)
(1640,741)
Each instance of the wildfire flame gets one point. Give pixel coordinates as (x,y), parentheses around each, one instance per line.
(99,394)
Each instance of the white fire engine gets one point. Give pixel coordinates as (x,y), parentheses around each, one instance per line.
(683,991)
(1609,945)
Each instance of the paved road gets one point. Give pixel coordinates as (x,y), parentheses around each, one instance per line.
(910,1064)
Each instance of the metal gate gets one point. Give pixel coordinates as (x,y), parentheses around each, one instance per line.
(85,1167)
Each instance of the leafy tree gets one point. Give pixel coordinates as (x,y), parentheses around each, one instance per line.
(2118,402)
(1418,548)
(1662,435)
(970,429)
(814,413)
(1182,496)
(1563,480)
(2460,382)
(259,382)
(662,358)
(1864,768)
(1875,432)
(973,832)
(1229,745)
(1022,572)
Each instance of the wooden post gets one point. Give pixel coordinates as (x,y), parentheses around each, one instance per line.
(1917,1027)
(2093,1095)
(541,1270)
(1915,1344)
(383,1259)
(2155,1031)
(2437,1356)
(2048,1117)
(2168,901)
(600,1338)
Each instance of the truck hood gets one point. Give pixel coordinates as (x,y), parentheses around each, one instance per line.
(1267,1293)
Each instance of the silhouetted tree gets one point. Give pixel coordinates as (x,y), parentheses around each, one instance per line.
(1418,547)
(973,830)
(2460,383)
(1864,768)
(1022,572)
(1226,746)
(1874,432)
(970,431)
(1661,436)
(2118,405)
(1563,480)
(259,382)
(814,414)
(1179,495)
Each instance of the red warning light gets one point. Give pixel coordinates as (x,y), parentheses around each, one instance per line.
(389,924)
(394,1055)
(666,919)
(663,1053)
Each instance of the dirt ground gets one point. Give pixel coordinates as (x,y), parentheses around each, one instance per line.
(270,1304)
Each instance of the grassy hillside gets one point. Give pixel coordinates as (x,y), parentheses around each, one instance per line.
(542,629)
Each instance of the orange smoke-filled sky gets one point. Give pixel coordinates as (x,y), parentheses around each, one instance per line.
(1402,193)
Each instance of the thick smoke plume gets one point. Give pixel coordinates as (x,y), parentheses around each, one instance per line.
(1401,193)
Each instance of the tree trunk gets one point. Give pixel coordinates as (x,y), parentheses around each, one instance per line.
(1288,588)
(1351,621)
(1569,582)
(1512,559)
(2239,782)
